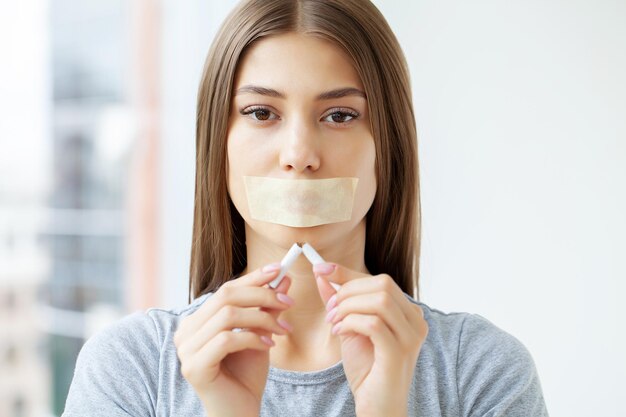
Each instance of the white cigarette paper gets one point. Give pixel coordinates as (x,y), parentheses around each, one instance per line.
(315,258)
(288,260)
(311,254)
(300,202)
(294,252)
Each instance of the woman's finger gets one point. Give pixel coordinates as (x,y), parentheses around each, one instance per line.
(379,283)
(256,278)
(236,296)
(199,365)
(325,290)
(371,326)
(380,304)
(228,318)
(282,288)
(337,273)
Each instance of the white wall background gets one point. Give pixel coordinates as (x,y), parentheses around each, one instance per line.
(521,115)
(25,143)
(187,32)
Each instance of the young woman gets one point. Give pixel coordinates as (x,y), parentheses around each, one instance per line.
(305,90)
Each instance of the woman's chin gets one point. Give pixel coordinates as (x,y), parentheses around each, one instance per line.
(286,236)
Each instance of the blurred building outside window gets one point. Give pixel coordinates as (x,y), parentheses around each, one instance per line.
(78,168)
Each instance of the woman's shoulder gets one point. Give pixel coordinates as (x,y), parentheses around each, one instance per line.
(167,320)
(141,333)
(471,339)
(120,363)
(463,330)
(494,372)
(492,368)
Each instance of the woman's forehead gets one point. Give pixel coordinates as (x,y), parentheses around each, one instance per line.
(291,62)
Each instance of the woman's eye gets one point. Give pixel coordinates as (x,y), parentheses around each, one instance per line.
(260,114)
(339,117)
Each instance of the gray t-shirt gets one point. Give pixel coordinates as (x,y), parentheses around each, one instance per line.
(467,367)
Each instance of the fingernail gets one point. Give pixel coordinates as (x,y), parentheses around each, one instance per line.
(285,298)
(285,325)
(332,302)
(330,315)
(324,268)
(267,341)
(271,268)
(336,328)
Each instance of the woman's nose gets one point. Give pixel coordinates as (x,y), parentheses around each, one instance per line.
(300,150)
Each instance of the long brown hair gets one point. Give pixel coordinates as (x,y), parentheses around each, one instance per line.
(394,220)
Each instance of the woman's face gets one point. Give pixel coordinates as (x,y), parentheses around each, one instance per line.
(294,134)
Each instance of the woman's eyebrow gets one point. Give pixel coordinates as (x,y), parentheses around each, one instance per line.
(327,95)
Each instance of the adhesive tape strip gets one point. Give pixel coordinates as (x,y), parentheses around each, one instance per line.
(300,202)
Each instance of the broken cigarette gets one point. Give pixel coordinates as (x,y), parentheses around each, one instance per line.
(291,256)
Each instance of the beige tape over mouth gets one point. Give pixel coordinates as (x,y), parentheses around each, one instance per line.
(300,203)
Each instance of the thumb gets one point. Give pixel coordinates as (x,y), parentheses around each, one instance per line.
(283,287)
(325,289)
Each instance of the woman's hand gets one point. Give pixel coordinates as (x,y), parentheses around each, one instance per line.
(228,370)
(381,335)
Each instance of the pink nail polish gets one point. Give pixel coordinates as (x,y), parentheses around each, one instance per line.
(267,341)
(332,302)
(336,328)
(324,269)
(271,268)
(285,298)
(331,314)
(285,325)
